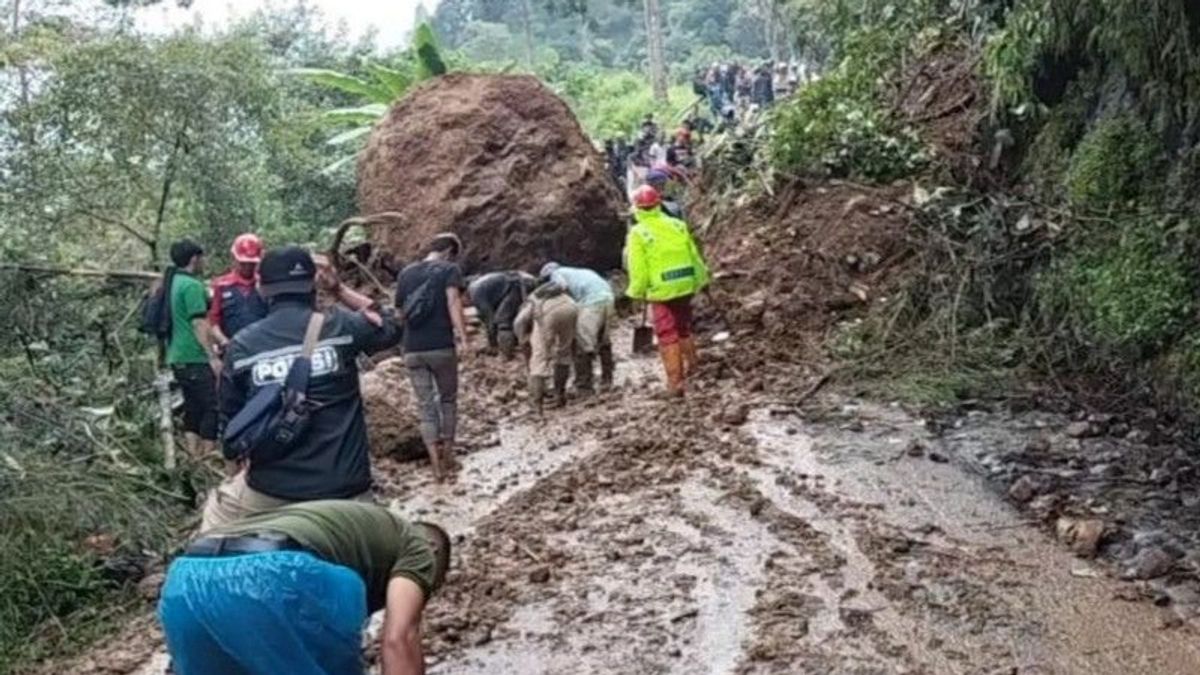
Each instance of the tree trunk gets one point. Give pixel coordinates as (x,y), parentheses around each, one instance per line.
(527,19)
(654,50)
(585,37)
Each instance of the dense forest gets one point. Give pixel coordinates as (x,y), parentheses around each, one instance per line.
(1044,155)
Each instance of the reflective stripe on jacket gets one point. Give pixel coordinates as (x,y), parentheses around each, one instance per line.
(662,258)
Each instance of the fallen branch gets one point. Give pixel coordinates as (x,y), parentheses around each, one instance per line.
(131,275)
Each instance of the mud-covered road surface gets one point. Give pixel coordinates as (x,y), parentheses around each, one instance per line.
(736,533)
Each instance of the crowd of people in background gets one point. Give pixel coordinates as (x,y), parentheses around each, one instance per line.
(733,89)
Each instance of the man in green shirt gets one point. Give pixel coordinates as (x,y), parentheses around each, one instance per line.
(190,352)
(289,590)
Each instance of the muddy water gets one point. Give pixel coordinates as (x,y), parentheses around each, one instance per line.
(825,548)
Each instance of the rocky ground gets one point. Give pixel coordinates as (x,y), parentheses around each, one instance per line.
(746,531)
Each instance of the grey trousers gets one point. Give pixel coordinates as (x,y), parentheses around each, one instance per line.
(434,377)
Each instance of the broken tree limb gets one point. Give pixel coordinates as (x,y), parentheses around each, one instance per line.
(162,385)
(131,275)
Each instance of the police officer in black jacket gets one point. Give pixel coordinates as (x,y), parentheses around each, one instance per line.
(332,460)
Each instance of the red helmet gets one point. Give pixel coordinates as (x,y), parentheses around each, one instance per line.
(646,197)
(247,248)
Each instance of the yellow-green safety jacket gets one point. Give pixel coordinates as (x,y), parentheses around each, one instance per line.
(662,259)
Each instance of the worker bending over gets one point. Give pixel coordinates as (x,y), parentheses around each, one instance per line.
(547,323)
(497,296)
(665,269)
(594,299)
(289,591)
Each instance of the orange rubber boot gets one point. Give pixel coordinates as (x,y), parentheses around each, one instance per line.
(690,358)
(672,358)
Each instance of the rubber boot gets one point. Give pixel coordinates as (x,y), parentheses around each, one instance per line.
(690,357)
(437,460)
(672,358)
(607,366)
(562,374)
(537,393)
(583,374)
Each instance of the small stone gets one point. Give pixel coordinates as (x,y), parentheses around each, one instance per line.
(1081,536)
(938,458)
(1038,446)
(915,449)
(151,586)
(1149,563)
(1120,429)
(1082,429)
(736,416)
(1024,490)
(540,574)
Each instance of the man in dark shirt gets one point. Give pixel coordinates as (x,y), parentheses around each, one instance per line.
(289,591)
(497,296)
(435,285)
(332,460)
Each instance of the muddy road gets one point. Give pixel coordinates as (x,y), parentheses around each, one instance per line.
(731,533)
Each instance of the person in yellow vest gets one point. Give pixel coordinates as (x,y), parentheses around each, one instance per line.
(665,269)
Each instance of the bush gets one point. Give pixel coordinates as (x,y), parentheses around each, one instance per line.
(1112,163)
(1131,297)
(612,103)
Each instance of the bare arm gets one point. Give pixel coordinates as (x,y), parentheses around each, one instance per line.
(455,302)
(401,639)
(204,335)
(220,339)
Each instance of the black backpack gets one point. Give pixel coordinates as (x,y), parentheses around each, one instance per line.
(279,414)
(155,309)
(418,306)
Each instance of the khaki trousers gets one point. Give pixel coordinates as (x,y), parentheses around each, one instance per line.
(594,327)
(553,336)
(234,500)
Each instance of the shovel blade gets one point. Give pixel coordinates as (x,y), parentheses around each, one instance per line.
(643,340)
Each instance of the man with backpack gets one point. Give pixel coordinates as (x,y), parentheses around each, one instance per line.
(189,351)
(330,459)
(429,294)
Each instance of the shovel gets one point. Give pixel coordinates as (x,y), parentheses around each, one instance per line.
(643,335)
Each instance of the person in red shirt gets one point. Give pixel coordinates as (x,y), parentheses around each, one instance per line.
(236,302)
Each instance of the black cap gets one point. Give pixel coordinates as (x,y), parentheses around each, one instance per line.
(183,251)
(286,270)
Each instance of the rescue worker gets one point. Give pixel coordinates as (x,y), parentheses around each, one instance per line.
(596,305)
(331,461)
(547,324)
(666,269)
(290,591)
(497,296)
(236,302)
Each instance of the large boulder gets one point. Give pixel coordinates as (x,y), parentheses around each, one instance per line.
(502,162)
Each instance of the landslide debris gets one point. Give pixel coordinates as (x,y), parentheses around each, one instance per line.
(502,162)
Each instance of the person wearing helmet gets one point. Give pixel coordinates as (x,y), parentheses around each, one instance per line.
(596,311)
(665,269)
(236,302)
(659,178)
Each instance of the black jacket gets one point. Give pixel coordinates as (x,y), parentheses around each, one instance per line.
(332,461)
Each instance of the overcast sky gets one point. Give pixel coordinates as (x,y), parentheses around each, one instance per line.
(392,19)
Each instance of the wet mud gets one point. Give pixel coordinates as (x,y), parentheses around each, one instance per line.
(730,533)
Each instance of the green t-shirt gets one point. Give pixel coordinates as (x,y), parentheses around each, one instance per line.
(367,538)
(189,301)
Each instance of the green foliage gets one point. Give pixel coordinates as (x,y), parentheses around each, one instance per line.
(1129,293)
(1012,55)
(613,103)
(375,91)
(1112,163)
(823,130)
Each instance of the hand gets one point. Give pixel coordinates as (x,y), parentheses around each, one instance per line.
(373,317)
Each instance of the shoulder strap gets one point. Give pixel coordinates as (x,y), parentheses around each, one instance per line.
(312,334)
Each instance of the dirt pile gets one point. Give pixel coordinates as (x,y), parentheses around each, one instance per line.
(499,160)
(787,267)
(392,423)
